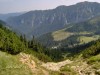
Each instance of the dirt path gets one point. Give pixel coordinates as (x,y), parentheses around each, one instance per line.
(80,67)
(45,72)
(55,66)
(26,59)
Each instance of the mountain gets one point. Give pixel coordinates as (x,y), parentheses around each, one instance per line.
(9,41)
(91,25)
(43,21)
(4,17)
(27,64)
(23,57)
(87,62)
(93,50)
(74,34)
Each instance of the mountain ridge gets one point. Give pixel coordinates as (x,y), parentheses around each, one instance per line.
(43,21)
(75,33)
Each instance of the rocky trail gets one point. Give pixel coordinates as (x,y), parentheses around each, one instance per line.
(56,66)
(26,59)
(80,67)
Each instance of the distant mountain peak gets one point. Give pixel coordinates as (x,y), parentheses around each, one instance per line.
(87,2)
(61,6)
(43,21)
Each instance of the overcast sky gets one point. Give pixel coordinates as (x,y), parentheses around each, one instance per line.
(9,6)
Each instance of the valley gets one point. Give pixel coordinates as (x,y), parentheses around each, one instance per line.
(60,41)
(76,33)
(24,62)
(41,22)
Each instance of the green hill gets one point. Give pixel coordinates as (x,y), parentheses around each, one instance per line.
(14,44)
(11,65)
(73,34)
(9,41)
(40,22)
(18,56)
(94,49)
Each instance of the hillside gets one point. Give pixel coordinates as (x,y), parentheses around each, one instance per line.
(11,65)
(14,59)
(60,41)
(29,65)
(20,56)
(76,33)
(4,17)
(22,64)
(9,41)
(13,44)
(40,22)
(91,25)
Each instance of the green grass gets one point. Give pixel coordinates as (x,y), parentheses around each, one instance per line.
(54,73)
(95,58)
(10,65)
(61,35)
(95,62)
(68,70)
(94,21)
(86,39)
(84,32)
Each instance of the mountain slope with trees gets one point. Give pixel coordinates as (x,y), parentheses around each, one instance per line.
(43,21)
(76,33)
(86,54)
(11,43)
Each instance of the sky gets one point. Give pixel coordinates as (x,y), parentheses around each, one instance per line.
(10,6)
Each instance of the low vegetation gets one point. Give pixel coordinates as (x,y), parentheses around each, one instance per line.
(87,39)
(61,35)
(12,45)
(10,65)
